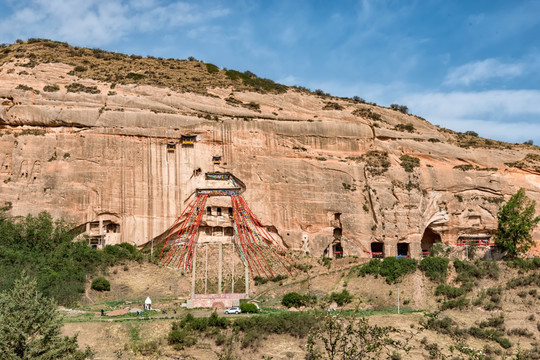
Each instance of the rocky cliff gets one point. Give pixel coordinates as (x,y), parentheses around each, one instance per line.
(96,138)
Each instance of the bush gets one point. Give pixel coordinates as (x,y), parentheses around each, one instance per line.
(373,267)
(450,292)
(504,342)
(494,322)
(122,252)
(395,268)
(51,88)
(520,332)
(464,167)
(469,272)
(435,268)
(460,303)
(135,76)
(249,308)
(342,298)
(101,284)
(332,106)
(294,299)
(533,279)
(24,87)
(409,162)
(402,108)
(211,68)
(405,127)
(259,280)
(524,264)
(391,268)
(217,322)
(250,79)
(77,87)
(471,133)
(147,348)
(180,339)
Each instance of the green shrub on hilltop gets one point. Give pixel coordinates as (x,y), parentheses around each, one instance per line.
(250,79)
(211,68)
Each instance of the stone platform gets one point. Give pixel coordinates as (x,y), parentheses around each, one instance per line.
(217,301)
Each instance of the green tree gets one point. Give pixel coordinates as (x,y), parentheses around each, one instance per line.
(30,326)
(516,223)
(339,337)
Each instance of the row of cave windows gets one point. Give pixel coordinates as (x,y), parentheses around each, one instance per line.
(217,230)
(108,227)
(377,250)
(218,211)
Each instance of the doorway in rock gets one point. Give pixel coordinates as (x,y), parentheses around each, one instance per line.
(430,237)
(337,233)
(377,250)
(337,250)
(403,250)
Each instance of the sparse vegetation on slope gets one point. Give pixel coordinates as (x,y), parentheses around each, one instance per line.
(180,75)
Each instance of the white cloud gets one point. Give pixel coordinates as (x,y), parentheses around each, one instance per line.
(482,70)
(509,115)
(498,103)
(515,132)
(98,22)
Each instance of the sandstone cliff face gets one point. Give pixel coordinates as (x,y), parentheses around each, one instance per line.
(326,173)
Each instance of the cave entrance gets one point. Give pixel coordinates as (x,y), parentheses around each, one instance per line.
(377,250)
(337,249)
(403,250)
(430,237)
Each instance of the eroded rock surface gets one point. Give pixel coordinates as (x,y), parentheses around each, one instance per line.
(326,178)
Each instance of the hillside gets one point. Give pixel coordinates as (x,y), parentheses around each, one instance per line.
(85,135)
(498,317)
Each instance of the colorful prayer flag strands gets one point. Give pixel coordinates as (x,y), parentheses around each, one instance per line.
(254,244)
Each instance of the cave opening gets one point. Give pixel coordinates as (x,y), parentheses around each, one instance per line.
(337,250)
(403,250)
(429,238)
(377,250)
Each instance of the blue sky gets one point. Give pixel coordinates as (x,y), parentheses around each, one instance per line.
(464,65)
